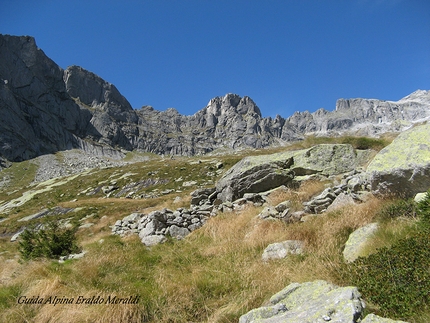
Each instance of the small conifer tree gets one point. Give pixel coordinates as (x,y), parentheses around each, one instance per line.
(49,240)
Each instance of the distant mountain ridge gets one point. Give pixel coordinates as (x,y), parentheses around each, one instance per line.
(45,109)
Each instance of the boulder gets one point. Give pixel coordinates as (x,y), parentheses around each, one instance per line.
(201,194)
(325,159)
(153,240)
(280,250)
(341,201)
(255,174)
(357,241)
(178,232)
(403,167)
(317,301)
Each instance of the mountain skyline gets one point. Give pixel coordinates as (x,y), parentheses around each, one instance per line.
(287,56)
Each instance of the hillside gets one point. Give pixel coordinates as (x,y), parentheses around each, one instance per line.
(216,272)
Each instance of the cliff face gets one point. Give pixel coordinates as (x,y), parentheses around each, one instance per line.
(44,109)
(37,114)
(366,117)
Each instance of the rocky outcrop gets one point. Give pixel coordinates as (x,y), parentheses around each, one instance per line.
(365,117)
(260,173)
(113,119)
(353,188)
(403,167)
(45,109)
(317,301)
(37,114)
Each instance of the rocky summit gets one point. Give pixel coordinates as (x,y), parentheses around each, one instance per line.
(46,109)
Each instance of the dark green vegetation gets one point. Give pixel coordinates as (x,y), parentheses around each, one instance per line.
(396,279)
(49,241)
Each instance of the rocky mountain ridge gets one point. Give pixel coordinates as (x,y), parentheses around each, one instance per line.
(47,109)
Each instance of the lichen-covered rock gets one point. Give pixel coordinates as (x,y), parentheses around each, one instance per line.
(280,250)
(255,174)
(326,159)
(403,167)
(317,301)
(357,241)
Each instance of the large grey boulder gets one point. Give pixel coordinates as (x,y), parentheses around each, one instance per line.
(314,302)
(255,174)
(317,301)
(403,167)
(357,241)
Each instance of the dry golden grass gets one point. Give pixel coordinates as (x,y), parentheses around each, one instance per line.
(214,275)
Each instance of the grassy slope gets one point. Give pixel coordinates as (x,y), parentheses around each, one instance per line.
(214,275)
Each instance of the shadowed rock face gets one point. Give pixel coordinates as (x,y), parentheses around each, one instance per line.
(45,109)
(37,114)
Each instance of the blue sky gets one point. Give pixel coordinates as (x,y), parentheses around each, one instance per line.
(286,55)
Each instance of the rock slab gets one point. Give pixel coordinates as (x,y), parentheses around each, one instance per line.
(403,167)
(256,174)
(317,301)
(314,302)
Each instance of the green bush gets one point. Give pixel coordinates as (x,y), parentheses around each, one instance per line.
(398,208)
(396,279)
(50,241)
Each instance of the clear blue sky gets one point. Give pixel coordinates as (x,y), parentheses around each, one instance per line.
(286,55)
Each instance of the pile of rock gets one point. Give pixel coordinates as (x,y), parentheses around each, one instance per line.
(72,162)
(353,187)
(153,228)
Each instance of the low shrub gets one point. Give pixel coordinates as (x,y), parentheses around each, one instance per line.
(396,280)
(49,241)
(398,208)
